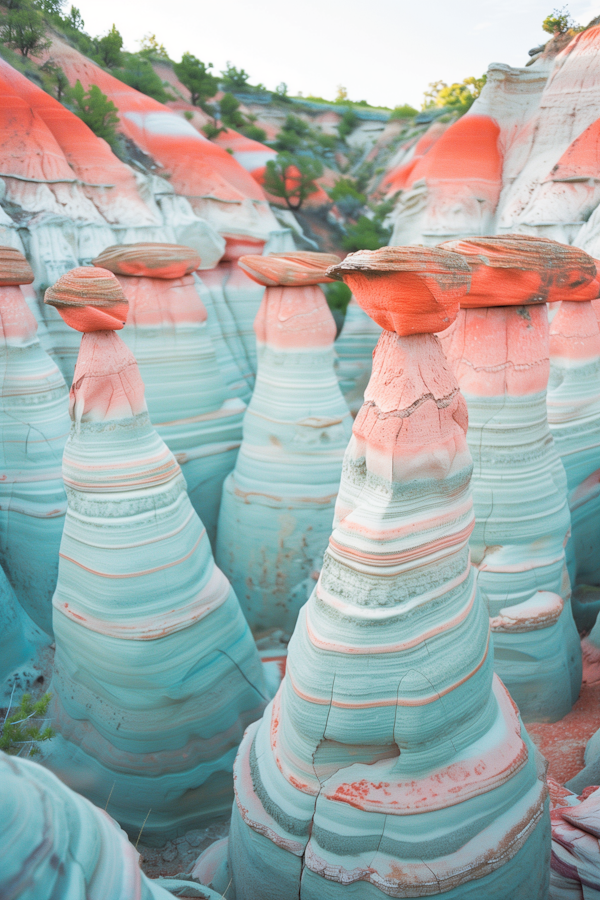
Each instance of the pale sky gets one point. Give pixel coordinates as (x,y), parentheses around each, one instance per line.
(382,51)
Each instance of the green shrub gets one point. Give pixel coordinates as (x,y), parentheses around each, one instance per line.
(559,22)
(20,728)
(403,112)
(459,96)
(348,124)
(338,295)
(234,79)
(22,28)
(139,74)
(96,110)
(293,178)
(109,48)
(366,234)
(254,132)
(196,77)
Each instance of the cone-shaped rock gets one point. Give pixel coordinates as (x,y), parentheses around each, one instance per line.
(236,299)
(54,843)
(34,421)
(499,349)
(278,503)
(185,392)
(574,417)
(156,672)
(392,762)
(354,354)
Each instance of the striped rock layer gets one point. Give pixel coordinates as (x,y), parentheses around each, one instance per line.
(500,356)
(574,417)
(354,354)
(185,391)
(234,299)
(278,503)
(156,673)
(34,422)
(392,761)
(54,843)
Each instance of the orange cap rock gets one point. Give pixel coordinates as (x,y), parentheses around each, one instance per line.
(289,269)
(14,268)
(89,299)
(409,290)
(518,269)
(149,260)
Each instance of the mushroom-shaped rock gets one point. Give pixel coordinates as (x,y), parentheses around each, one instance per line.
(35,423)
(392,759)
(278,503)
(185,391)
(499,350)
(234,299)
(156,673)
(354,354)
(54,843)
(574,417)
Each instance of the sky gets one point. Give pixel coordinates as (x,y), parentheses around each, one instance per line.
(382,51)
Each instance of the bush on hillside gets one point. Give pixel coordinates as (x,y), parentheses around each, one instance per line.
(459,96)
(151,49)
(22,28)
(293,178)
(234,79)
(255,132)
(139,74)
(110,47)
(406,111)
(348,123)
(559,22)
(96,110)
(346,196)
(55,80)
(196,77)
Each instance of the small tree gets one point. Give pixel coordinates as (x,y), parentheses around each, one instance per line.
(57,78)
(234,79)
(282,89)
(96,110)
(109,48)
(51,7)
(74,19)
(293,178)
(559,22)
(406,111)
(150,47)
(196,77)
(342,94)
(23,28)
(346,196)
(139,74)
(20,729)
(348,123)
(230,112)
(460,95)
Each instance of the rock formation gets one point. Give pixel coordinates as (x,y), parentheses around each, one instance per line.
(71,197)
(185,392)
(392,761)
(20,640)
(574,418)
(575,861)
(35,423)
(354,354)
(156,674)
(55,843)
(278,503)
(236,299)
(499,349)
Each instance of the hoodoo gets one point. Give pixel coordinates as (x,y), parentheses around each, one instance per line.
(55,843)
(499,349)
(392,761)
(278,502)
(185,392)
(354,354)
(156,673)
(574,418)
(34,420)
